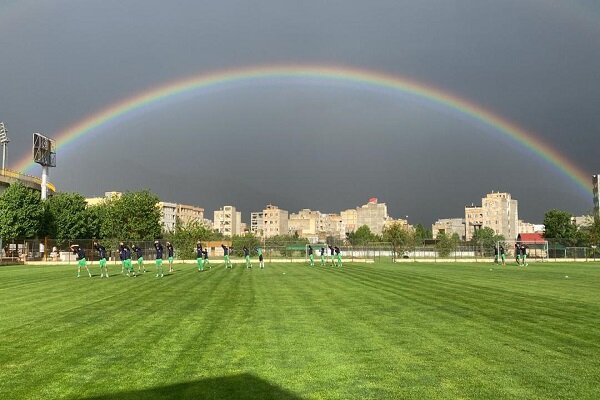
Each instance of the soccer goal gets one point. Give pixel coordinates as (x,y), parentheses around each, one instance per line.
(536,250)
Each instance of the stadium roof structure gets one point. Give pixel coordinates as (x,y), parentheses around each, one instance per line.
(531,238)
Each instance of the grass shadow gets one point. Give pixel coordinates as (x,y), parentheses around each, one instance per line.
(240,387)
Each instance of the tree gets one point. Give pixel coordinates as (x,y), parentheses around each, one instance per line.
(421,233)
(21,212)
(66,217)
(559,226)
(399,236)
(134,216)
(361,236)
(239,241)
(486,238)
(444,245)
(94,216)
(185,236)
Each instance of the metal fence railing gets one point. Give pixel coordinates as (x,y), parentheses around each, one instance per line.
(58,251)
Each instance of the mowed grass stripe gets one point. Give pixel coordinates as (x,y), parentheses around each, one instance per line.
(143,328)
(382,331)
(448,299)
(496,311)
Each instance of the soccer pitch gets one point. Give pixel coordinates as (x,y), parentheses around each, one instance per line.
(290,331)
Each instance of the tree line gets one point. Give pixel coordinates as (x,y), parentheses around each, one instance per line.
(135,216)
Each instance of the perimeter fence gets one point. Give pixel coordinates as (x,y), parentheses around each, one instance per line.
(51,250)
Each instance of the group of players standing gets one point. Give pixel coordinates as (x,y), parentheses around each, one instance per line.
(125,254)
(334,251)
(520,254)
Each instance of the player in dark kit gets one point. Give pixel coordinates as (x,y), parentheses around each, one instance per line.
(503,255)
(322,256)
(524,255)
(311,256)
(159,258)
(76,249)
(495,254)
(122,256)
(518,253)
(226,251)
(127,260)
(205,256)
(331,253)
(170,255)
(338,255)
(139,253)
(199,256)
(102,259)
(247,257)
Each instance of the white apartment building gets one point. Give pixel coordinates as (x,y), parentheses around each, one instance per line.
(334,226)
(306,223)
(187,214)
(256,223)
(373,215)
(449,226)
(275,221)
(498,211)
(349,220)
(228,221)
(315,225)
(168,215)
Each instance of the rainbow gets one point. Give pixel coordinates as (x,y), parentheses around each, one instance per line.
(328,74)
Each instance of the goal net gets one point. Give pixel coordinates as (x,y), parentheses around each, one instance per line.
(536,250)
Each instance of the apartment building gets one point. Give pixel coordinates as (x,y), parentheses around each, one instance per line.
(498,211)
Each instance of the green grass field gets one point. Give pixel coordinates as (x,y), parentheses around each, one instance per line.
(379,331)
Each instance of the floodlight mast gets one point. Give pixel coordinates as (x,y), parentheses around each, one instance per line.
(44,182)
(44,154)
(4,140)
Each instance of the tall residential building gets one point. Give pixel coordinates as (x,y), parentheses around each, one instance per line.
(595,179)
(187,214)
(168,215)
(350,220)
(372,214)
(498,211)
(449,226)
(228,221)
(334,226)
(275,221)
(315,225)
(256,223)
(306,223)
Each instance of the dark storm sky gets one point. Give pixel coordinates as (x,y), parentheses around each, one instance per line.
(325,147)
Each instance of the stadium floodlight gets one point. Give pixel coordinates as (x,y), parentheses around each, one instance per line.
(4,140)
(3,134)
(44,153)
